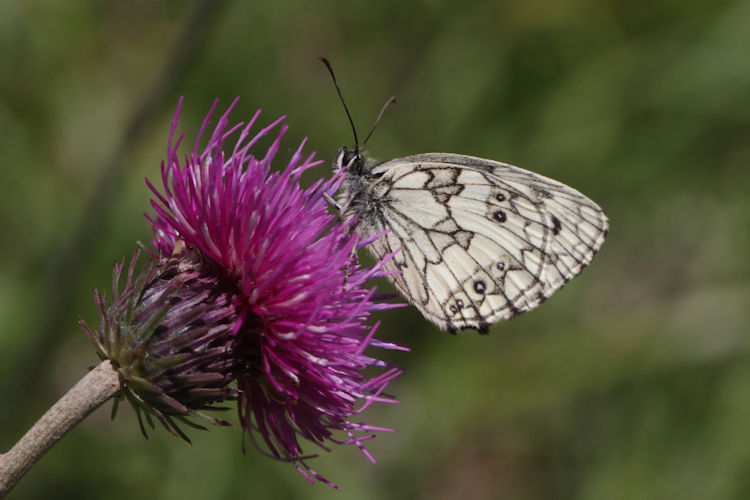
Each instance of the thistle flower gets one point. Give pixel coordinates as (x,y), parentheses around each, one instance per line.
(298,294)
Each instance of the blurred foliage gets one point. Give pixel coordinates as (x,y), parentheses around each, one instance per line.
(632,382)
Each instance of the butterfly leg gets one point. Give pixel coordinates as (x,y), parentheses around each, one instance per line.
(333,204)
(352,260)
(331,201)
(353,256)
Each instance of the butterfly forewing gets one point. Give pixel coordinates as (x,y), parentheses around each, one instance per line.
(480,241)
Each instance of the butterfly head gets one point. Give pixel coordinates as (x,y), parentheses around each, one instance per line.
(349,159)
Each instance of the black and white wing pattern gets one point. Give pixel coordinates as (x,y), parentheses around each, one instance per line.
(481,241)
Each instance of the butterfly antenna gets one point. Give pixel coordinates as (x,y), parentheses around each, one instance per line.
(387,105)
(338,89)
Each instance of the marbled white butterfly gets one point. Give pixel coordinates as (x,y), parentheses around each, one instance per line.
(480,241)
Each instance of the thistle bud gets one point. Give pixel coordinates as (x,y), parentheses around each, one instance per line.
(168,332)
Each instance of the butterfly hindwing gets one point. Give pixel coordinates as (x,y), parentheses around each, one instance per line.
(481,241)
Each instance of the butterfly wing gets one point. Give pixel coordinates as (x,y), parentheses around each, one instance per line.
(481,241)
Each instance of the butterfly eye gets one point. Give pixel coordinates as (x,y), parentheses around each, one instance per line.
(350,155)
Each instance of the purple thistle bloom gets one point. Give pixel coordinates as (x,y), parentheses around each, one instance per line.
(299,293)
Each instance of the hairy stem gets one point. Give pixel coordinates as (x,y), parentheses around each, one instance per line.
(88,394)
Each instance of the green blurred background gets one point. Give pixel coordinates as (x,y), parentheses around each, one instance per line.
(632,382)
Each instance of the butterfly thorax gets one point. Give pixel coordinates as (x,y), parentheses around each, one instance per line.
(356,197)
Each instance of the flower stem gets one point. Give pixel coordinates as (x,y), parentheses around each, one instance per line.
(88,394)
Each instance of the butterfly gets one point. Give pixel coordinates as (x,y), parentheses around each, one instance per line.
(479,241)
